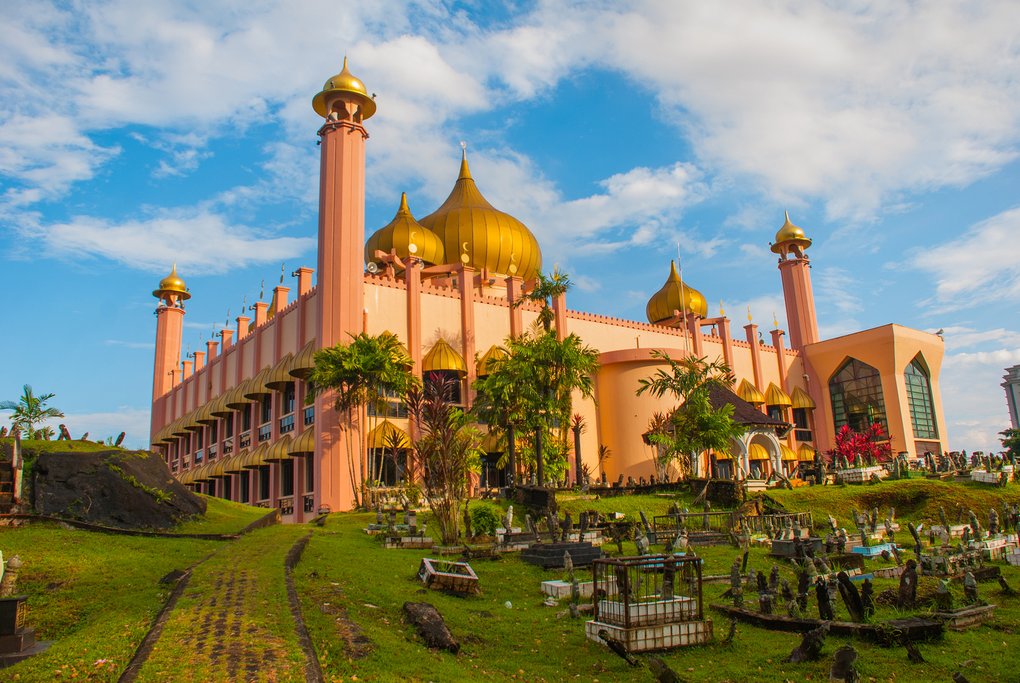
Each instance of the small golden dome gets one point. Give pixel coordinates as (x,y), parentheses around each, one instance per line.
(668,299)
(172,285)
(774,396)
(346,82)
(790,234)
(478,235)
(493,355)
(407,236)
(750,393)
(443,357)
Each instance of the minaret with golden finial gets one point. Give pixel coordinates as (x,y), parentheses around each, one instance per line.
(345,104)
(172,293)
(795,270)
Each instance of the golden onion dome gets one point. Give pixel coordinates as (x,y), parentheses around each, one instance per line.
(750,393)
(668,299)
(345,82)
(478,235)
(442,357)
(407,236)
(172,285)
(790,234)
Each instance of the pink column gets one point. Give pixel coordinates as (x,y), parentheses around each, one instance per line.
(199,360)
(280,295)
(465,281)
(559,305)
(752,338)
(694,327)
(800,301)
(412,278)
(777,341)
(304,276)
(727,340)
(513,293)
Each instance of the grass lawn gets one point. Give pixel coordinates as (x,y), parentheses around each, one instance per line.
(346,577)
(95,594)
(221,517)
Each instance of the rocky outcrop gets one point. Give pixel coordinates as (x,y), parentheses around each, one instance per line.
(129,489)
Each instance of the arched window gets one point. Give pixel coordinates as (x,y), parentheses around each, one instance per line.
(856,393)
(922,414)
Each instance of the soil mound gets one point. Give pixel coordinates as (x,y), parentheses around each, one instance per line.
(128,489)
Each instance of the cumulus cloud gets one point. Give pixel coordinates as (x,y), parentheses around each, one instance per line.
(199,242)
(986,260)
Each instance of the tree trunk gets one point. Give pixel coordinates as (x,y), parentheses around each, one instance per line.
(511,449)
(539,465)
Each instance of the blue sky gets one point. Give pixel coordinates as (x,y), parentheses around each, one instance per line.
(138,134)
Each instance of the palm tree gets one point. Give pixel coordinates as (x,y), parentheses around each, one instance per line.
(547,288)
(448,449)
(30,410)
(360,374)
(696,425)
(530,390)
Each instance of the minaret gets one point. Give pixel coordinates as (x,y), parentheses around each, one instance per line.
(795,270)
(345,104)
(172,293)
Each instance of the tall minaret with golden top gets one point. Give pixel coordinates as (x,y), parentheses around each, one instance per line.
(795,270)
(172,293)
(345,104)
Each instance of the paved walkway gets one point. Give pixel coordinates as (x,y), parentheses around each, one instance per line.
(232,621)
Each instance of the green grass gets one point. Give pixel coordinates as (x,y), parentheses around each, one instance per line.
(221,517)
(915,499)
(96,595)
(37,446)
(238,594)
(93,594)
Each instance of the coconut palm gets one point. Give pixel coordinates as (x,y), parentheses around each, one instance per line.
(696,425)
(360,374)
(30,410)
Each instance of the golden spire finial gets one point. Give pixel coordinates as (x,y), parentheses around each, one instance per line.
(775,320)
(722,311)
(749,318)
(404,208)
(465,172)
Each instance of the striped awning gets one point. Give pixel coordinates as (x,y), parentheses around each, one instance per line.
(304,361)
(441,357)
(202,472)
(787,452)
(279,376)
(774,396)
(235,397)
(205,415)
(801,399)
(750,393)
(383,436)
(179,427)
(256,387)
(257,457)
(484,366)
(280,450)
(303,443)
(219,407)
(805,453)
(235,463)
(757,452)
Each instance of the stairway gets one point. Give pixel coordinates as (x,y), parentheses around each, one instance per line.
(6,487)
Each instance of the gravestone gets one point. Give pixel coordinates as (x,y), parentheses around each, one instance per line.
(907,595)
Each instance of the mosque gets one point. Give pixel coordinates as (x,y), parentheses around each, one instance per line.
(232,420)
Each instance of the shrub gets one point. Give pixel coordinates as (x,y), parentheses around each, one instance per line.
(485,517)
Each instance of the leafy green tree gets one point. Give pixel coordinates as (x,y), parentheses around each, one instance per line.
(547,288)
(362,373)
(695,426)
(448,449)
(530,391)
(1011,442)
(30,410)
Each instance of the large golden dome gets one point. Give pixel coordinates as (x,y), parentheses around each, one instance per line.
(668,299)
(790,234)
(407,236)
(346,82)
(478,235)
(172,284)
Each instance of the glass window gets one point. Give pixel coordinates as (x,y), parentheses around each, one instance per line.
(802,424)
(288,399)
(243,486)
(287,477)
(857,399)
(454,382)
(246,417)
(264,482)
(922,414)
(228,424)
(309,474)
(266,409)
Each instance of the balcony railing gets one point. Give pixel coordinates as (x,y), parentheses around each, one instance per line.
(309,415)
(211,451)
(265,431)
(245,439)
(287,424)
(228,447)
(308,503)
(286,506)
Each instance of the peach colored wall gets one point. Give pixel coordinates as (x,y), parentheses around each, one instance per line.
(889,349)
(387,310)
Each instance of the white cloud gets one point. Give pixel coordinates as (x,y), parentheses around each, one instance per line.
(133,421)
(837,287)
(986,261)
(199,242)
(129,344)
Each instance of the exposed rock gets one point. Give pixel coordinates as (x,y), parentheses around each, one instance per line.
(128,489)
(429,624)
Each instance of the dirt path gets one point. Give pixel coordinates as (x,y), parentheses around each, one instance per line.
(232,621)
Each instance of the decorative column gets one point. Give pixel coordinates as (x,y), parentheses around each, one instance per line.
(795,271)
(513,294)
(412,278)
(344,103)
(466,282)
(752,338)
